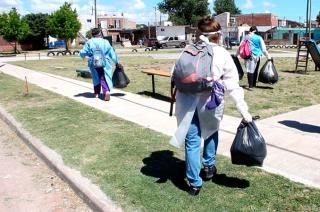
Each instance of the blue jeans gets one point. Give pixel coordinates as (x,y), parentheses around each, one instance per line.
(193,149)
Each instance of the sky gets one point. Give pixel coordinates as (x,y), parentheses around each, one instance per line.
(143,11)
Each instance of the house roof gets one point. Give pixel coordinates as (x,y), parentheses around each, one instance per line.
(264,28)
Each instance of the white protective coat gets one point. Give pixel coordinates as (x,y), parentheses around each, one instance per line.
(224,69)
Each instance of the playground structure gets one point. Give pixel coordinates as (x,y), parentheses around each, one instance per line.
(306,44)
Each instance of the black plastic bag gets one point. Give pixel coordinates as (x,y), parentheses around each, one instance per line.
(238,65)
(268,73)
(248,147)
(119,78)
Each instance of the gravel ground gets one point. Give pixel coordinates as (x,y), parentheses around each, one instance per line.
(27,184)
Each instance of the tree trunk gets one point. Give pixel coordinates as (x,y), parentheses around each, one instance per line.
(66,42)
(15,47)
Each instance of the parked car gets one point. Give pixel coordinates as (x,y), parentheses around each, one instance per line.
(234,42)
(173,42)
(151,42)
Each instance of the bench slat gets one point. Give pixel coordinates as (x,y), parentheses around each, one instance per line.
(157,72)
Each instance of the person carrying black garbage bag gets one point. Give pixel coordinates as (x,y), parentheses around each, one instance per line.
(258,47)
(100,54)
(198,117)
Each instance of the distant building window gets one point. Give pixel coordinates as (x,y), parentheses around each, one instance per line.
(88,20)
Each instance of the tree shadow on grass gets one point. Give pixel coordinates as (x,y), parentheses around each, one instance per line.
(156,96)
(232,182)
(301,126)
(164,166)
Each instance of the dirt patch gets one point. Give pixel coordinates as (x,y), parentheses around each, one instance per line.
(26,182)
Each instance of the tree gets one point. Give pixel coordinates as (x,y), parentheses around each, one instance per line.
(184,12)
(64,24)
(318,18)
(38,29)
(13,28)
(141,26)
(3,20)
(221,6)
(89,34)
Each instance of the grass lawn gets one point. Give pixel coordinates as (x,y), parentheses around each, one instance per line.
(136,166)
(293,91)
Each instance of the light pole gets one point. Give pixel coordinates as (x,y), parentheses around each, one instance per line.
(95,14)
(155,16)
(308,19)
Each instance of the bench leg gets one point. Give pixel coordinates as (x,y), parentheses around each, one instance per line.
(153,87)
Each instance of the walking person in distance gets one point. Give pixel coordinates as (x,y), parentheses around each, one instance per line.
(258,48)
(100,54)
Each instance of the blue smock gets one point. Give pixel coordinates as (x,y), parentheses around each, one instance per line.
(109,53)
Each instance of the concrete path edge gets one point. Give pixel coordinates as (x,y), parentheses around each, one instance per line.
(86,190)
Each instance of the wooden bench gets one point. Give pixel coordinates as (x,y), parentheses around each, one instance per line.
(83,72)
(158,73)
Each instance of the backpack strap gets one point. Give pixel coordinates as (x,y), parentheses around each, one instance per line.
(173,92)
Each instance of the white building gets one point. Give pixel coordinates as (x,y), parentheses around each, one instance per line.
(166,23)
(171,31)
(87,23)
(229,25)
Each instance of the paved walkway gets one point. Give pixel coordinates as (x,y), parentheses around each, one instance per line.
(293,139)
(174,56)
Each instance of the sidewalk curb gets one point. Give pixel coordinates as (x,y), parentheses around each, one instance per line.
(85,189)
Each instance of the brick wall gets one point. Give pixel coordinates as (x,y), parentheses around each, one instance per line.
(116,23)
(258,19)
(6,46)
(280,42)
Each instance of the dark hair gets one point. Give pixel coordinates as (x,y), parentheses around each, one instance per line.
(95,32)
(208,24)
(253,28)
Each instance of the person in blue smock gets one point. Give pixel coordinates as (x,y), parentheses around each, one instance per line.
(258,47)
(101,77)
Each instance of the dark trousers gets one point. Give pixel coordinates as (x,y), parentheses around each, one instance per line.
(255,74)
(103,83)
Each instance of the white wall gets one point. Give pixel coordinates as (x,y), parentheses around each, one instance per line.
(164,31)
(241,31)
(85,25)
(223,19)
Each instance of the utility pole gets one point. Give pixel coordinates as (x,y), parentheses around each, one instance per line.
(251,19)
(95,13)
(155,16)
(307,19)
(299,21)
(310,19)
